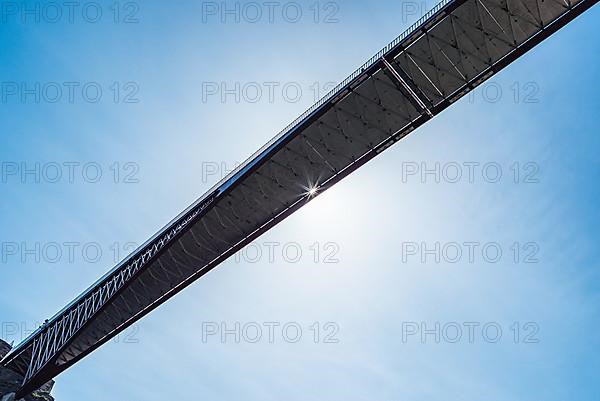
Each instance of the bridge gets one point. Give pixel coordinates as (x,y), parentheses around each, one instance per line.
(451,50)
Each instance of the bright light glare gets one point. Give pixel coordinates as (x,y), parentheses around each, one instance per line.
(312,191)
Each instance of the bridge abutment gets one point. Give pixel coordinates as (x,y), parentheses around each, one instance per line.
(10,382)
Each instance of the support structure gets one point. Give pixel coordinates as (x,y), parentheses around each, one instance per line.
(10,382)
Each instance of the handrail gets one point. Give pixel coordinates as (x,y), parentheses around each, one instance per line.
(221,185)
(331,94)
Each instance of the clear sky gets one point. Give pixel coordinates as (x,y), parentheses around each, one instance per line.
(160,136)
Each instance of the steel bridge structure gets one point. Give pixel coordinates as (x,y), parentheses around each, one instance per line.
(451,50)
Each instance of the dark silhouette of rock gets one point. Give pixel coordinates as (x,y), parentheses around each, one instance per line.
(10,382)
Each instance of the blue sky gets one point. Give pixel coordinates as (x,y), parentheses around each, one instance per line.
(162,135)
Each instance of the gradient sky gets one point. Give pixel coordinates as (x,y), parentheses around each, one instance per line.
(374,292)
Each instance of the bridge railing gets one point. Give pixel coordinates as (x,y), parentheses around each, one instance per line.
(337,89)
(118,270)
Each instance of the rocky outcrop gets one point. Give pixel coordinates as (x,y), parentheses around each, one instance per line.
(4,348)
(10,382)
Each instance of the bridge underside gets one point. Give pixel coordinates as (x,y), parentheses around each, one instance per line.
(457,47)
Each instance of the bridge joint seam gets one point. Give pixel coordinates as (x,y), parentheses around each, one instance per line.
(405,85)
